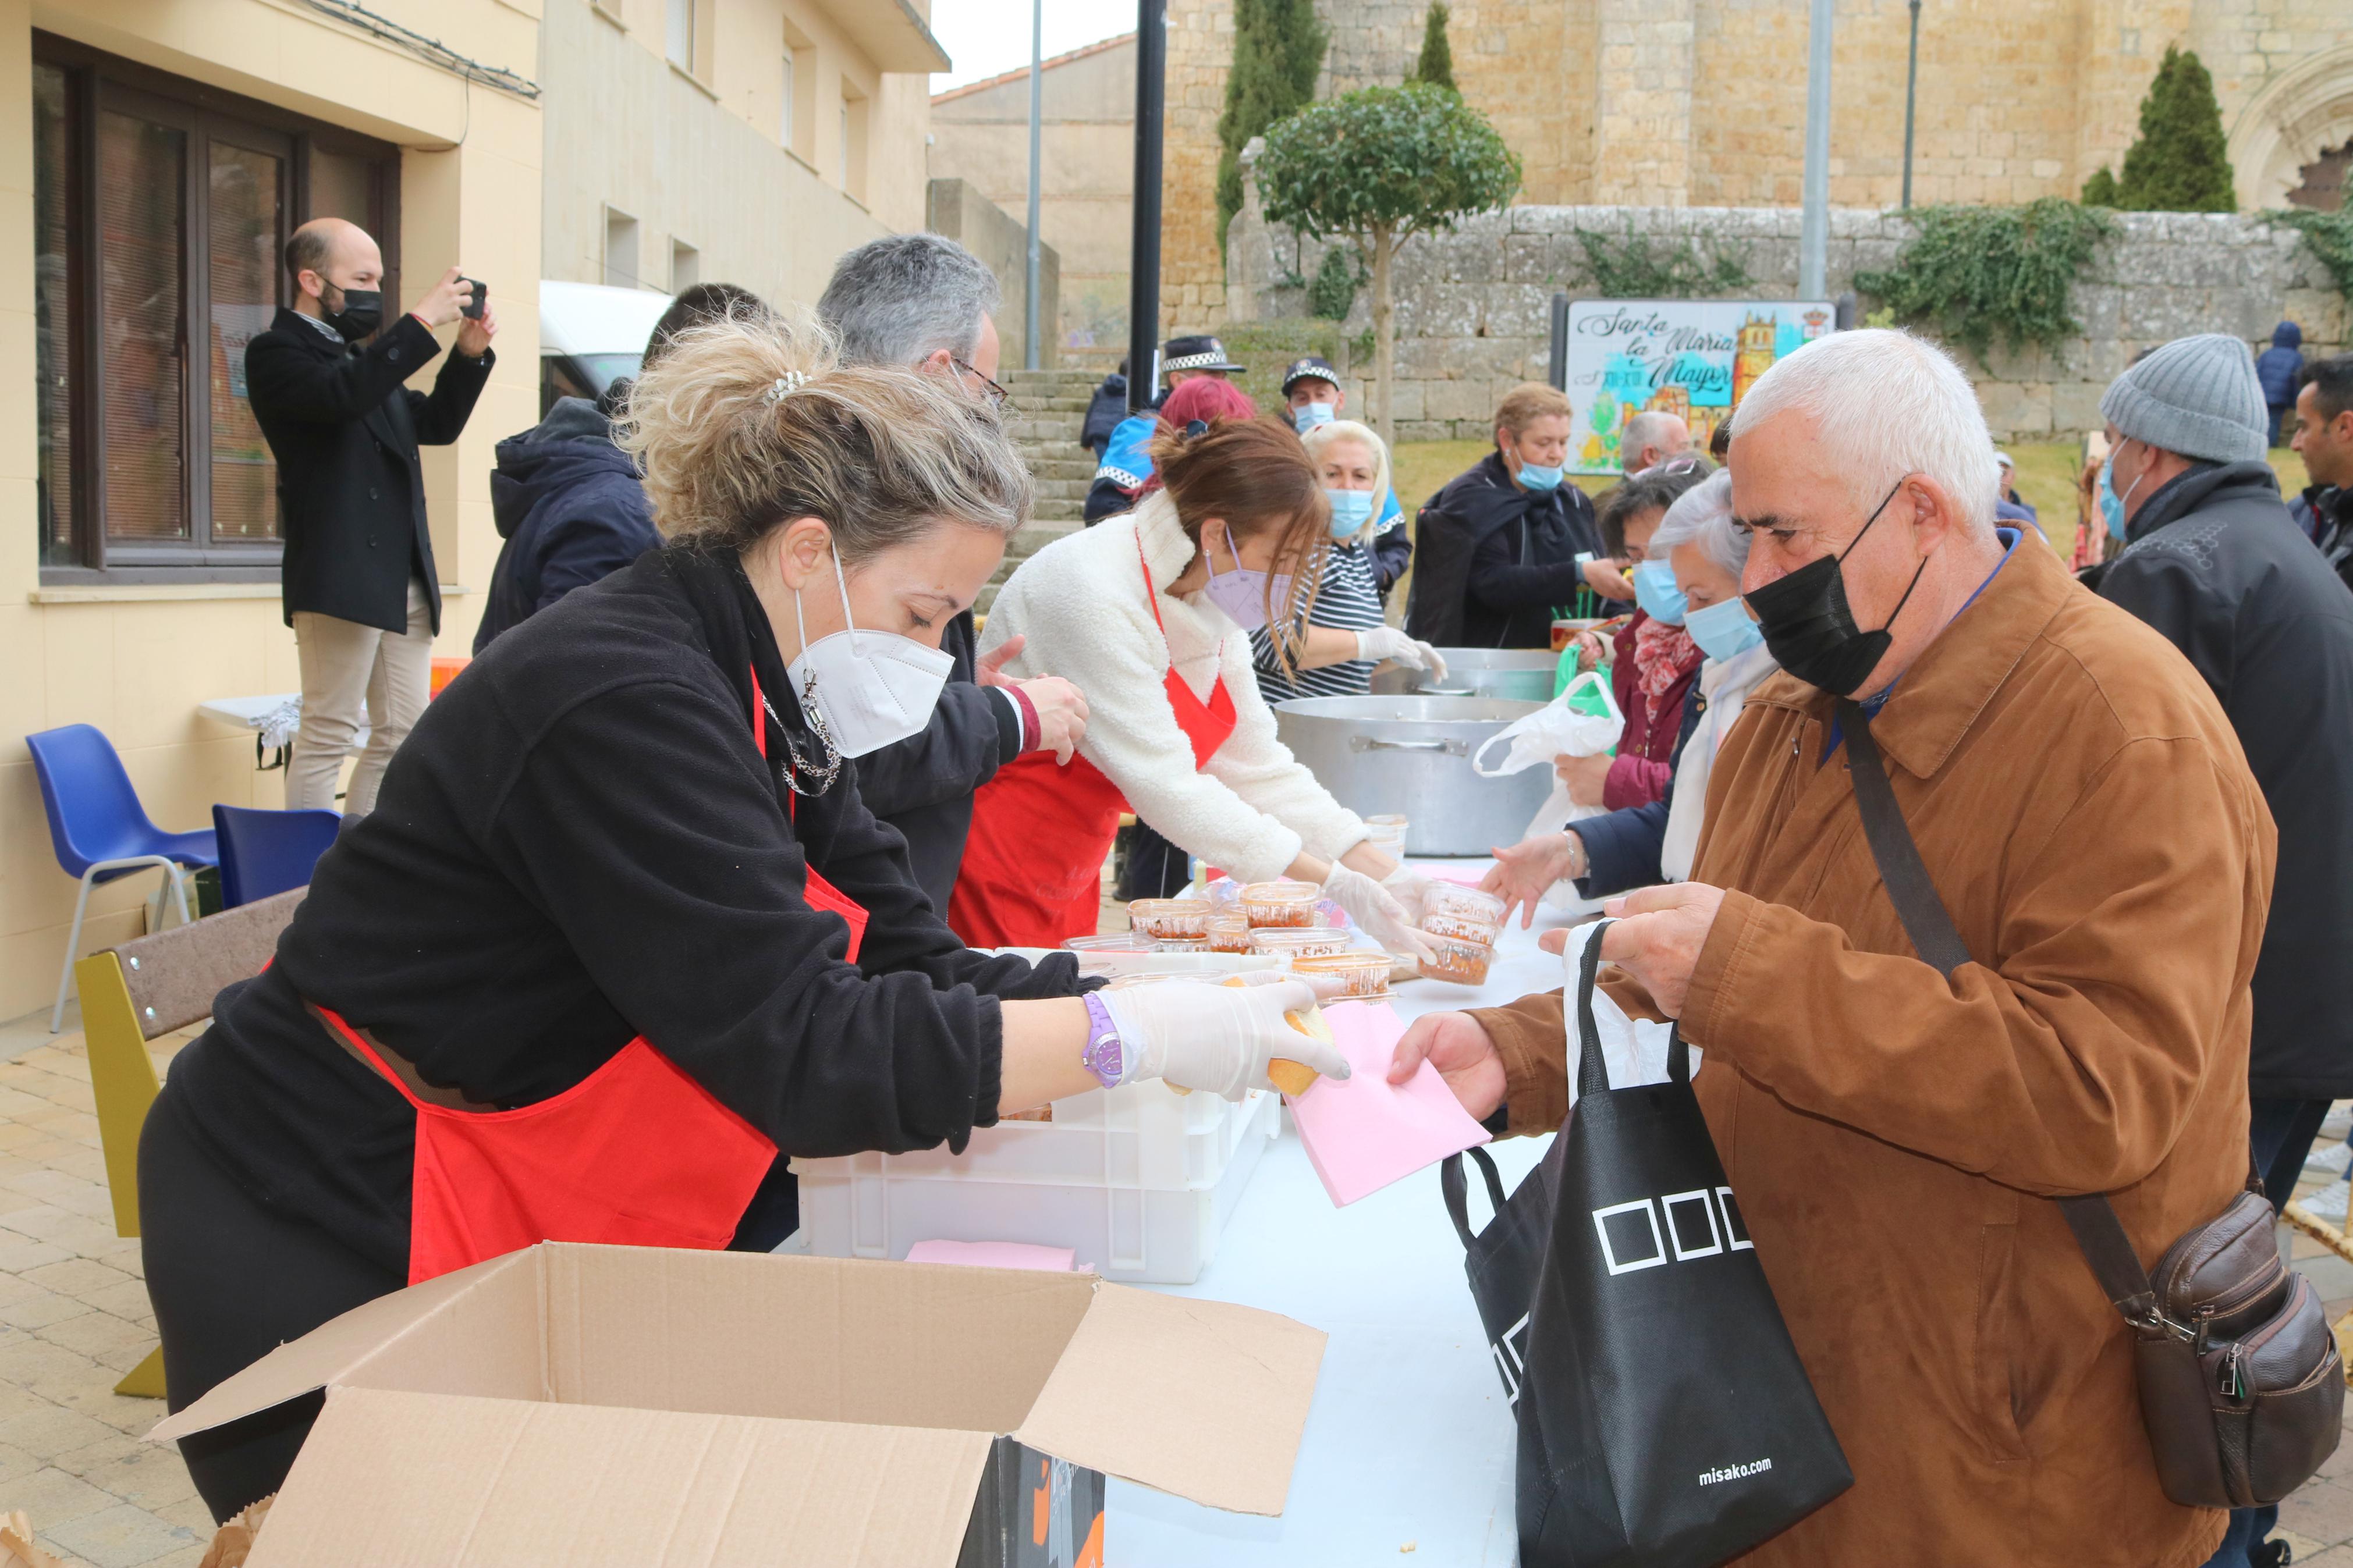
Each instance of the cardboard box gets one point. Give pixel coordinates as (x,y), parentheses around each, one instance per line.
(628,1405)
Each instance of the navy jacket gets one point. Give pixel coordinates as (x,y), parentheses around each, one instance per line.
(2214,563)
(1622,847)
(569,505)
(2279,366)
(350,492)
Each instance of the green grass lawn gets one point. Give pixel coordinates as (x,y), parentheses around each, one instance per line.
(2046,477)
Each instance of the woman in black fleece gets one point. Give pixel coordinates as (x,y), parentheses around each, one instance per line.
(585,859)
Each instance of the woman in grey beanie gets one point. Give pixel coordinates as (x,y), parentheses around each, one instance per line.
(2216,565)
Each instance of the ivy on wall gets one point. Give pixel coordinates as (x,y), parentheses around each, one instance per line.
(2330,236)
(1661,266)
(1974,273)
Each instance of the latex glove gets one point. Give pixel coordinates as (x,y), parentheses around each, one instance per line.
(1411,888)
(1378,642)
(1377,914)
(1217,1038)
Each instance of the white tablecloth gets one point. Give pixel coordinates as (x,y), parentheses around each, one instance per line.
(1409,1440)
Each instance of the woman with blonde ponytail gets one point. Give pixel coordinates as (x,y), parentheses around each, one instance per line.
(621,889)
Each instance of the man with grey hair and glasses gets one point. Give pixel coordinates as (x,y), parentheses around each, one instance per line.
(1895,1131)
(923,302)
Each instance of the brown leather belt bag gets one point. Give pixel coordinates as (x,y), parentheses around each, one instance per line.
(2240,1386)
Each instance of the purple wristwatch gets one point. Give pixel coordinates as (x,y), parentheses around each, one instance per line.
(1104,1056)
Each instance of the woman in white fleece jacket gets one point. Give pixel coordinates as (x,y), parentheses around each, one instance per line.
(1175,727)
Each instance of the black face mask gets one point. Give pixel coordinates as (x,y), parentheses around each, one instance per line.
(361,313)
(1810,629)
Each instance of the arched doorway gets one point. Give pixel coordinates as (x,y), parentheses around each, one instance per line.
(2302,118)
(2322,190)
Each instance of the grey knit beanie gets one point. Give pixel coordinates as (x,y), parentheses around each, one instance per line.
(2197,396)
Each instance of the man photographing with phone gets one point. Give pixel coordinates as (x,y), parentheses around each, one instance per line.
(358,584)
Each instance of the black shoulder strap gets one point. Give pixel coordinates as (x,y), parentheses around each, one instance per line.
(1929,924)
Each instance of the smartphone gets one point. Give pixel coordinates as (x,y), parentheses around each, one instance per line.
(473,312)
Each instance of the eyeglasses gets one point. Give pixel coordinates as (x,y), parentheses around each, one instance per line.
(997,396)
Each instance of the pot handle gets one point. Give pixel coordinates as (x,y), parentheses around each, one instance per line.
(1374,744)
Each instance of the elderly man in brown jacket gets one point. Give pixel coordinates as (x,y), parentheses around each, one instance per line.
(2086,813)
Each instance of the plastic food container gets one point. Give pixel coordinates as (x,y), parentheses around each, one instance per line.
(1281,903)
(1182,945)
(1298,941)
(1169,916)
(1118,941)
(1225,896)
(1463,912)
(1462,962)
(1230,932)
(1388,819)
(1363,974)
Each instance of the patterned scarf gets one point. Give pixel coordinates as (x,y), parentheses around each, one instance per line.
(1663,655)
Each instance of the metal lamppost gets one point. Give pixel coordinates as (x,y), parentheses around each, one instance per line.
(1143,257)
(1814,223)
(1911,99)
(1037,87)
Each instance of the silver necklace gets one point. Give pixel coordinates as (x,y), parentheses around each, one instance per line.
(820,775)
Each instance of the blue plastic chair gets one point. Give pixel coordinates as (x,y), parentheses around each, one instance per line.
(100,831)
(264,853)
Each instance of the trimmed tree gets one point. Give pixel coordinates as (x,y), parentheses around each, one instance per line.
(1376,167)
(2182,162)
(1436,64)
(1278,53)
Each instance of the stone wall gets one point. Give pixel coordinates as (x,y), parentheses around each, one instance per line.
(1673,103)
(1474,308)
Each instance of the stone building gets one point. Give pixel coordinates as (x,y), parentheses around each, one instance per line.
(980,133)
(1672,103)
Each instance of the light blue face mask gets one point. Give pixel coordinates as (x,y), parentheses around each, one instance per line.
(1308,415)
(2111,507)
(1724,630)
(1537,477)
(1655,590)
(1351,510)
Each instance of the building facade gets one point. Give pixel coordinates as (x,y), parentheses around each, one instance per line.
(1673,103)
(749,141)
(980,133)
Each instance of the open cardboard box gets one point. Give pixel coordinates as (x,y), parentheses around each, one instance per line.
(584,1404)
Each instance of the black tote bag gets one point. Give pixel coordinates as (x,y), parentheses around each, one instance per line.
(1504,1259)
(1665,1419)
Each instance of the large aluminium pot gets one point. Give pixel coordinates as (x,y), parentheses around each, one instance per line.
(1412,754)
(1519,674)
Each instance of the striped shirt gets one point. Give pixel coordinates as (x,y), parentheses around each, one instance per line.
(1349,599)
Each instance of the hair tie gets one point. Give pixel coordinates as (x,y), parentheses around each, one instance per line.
(784,386)
(1196,429)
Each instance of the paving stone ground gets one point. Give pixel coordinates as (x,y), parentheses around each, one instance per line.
(74,1318)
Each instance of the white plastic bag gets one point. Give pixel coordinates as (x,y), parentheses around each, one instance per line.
(1555,730)
(1635,1048)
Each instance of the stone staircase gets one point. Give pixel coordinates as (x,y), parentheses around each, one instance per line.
(1048,408)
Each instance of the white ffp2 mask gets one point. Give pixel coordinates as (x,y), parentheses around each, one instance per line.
(868,688)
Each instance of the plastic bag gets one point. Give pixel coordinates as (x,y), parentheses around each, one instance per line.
(1564,726)
(1635,1048)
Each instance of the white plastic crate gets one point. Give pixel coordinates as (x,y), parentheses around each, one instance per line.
(1139,1181)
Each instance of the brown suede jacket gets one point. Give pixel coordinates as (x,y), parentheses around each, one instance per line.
(2088,817)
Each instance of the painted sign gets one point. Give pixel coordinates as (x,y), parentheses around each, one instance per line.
(1693,358)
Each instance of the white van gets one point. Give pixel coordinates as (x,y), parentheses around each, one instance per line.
(590,336)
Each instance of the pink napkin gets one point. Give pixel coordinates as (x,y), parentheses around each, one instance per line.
(1363,1132)
(995,1255)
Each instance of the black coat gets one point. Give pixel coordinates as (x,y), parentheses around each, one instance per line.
(2214,563)
(572,509)
(1106,409)
(924,785)
(345,433)
(576,844)
(1495,558)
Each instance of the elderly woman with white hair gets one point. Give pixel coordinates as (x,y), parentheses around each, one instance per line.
(1345,636)
(1654,842)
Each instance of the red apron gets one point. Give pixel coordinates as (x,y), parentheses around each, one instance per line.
(635,1154)
(1033,861)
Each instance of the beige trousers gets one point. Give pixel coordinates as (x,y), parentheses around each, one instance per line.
(344,662)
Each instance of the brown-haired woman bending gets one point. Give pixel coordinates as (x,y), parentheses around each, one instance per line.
(1150,613)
